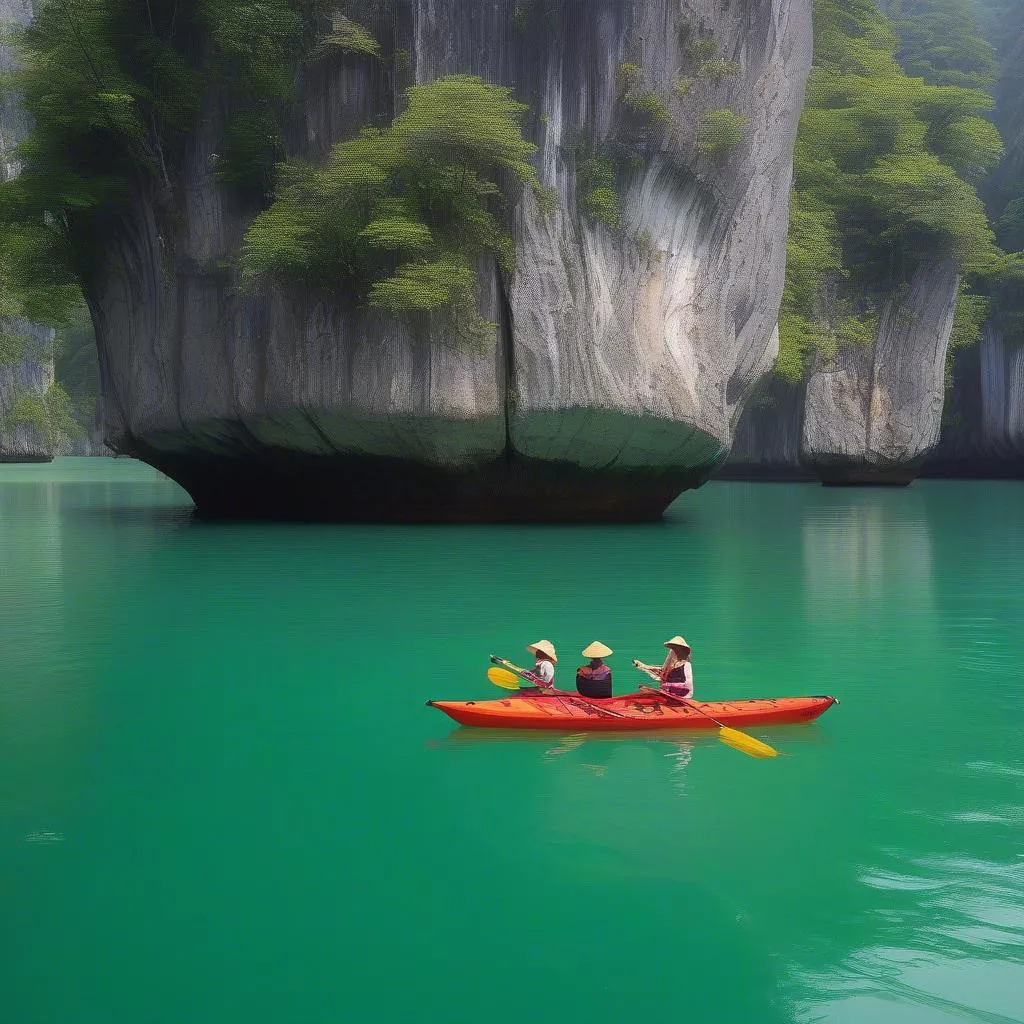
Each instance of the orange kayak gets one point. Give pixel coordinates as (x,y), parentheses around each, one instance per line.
(634,711)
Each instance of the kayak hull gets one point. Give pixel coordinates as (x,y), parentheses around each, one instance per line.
(640,712)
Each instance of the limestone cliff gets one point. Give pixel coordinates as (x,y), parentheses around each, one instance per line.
(623,355)
(984,431)
(767,441)
(26,432)
(871,415)
(26,362)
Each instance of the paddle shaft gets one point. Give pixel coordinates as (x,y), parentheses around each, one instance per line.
(568,693)
(683,700)
(727,734)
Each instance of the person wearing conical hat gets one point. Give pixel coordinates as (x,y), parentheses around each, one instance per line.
(595,679)
(676,673)
(545,660)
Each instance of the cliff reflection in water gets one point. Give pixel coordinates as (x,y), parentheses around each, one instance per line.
(899,588)
(865,548)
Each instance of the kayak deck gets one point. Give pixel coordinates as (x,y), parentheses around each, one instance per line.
(634,711)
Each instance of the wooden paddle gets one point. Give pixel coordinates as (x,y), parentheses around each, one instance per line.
(730,737)
(510,681)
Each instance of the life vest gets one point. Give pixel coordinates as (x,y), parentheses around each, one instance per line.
(594,682)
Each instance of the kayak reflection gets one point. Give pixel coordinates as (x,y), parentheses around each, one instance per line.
(593,753)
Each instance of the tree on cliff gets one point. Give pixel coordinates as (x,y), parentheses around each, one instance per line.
(940,42)
(114,90)
(884,169)
(401,214)
(981,42)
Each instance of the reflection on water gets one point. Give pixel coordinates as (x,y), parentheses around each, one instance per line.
(943,932)
(596,750)
(55,597)
(222,794)
(860,554)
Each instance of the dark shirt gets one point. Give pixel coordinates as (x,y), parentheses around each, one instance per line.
(594,682)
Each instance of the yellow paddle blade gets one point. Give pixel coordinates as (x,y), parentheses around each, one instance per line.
(503,678)
(746,744)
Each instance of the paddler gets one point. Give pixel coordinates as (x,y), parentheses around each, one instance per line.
(676,673)
(595,679)
(545,660)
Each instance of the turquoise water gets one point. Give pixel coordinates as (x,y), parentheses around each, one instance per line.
(223,799)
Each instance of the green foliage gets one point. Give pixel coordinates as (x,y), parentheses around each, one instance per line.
(602,204)
(879,186)
(941,43)
(703,49)
(49,414)
(718,68)
(718,131)
(649,105)
(400,214)
(27,292)
(115,90)
(971,313)
(76,365)
(595,184)
(10,348)
(815,318)
(1006,289)
(956,134)
(349,37)
(683,85)
(629,76)
(1010,226)
(645,104)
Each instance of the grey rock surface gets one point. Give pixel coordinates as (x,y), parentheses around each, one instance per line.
(27,379)
(873,414)
(32,374)
(984,431)
(623,356)
(767,437)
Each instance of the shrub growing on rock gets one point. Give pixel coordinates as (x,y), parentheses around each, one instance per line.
(401,214)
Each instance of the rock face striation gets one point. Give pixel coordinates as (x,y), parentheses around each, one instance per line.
(623,356)
(871,415)
(27,373)
(767,440)
(24,427)
(984,433)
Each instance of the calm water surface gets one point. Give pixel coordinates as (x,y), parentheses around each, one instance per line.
(223,799)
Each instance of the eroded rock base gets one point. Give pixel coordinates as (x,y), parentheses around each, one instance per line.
(765,472)
(866,476)
(1008,468)
(25,457)
(288,486)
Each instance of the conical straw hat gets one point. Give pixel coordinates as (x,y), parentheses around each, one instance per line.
(545,647)
(597,650)
(676,641)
